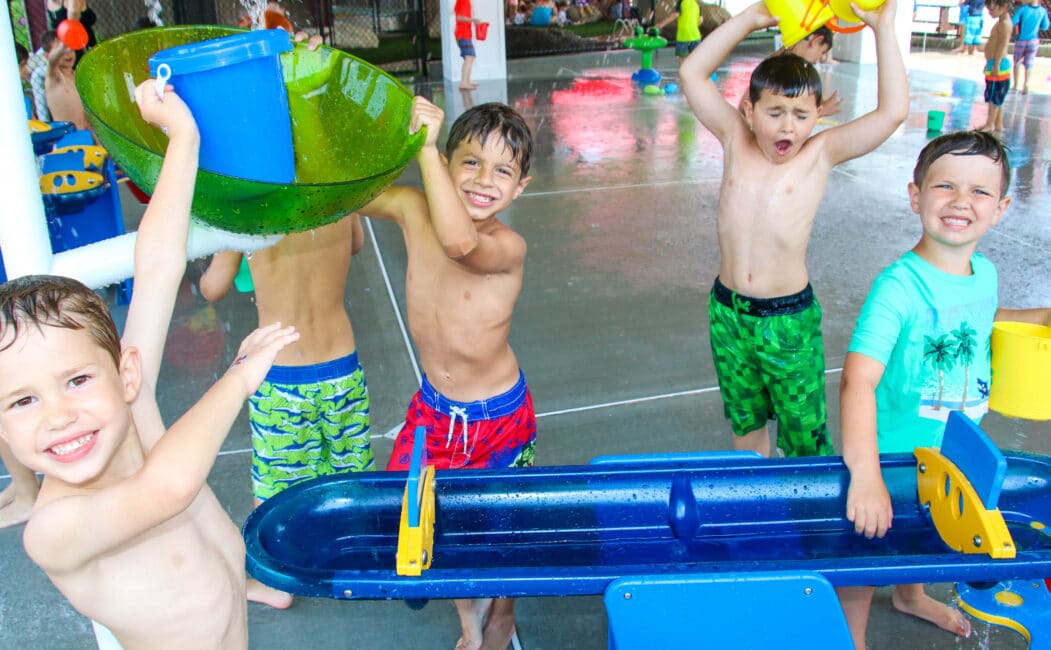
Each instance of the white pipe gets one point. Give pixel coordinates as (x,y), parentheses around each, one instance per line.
(112,260)
(23,227)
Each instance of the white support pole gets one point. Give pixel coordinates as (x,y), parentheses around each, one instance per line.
(23,227)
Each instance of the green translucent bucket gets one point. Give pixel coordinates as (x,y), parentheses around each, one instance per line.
(350,132)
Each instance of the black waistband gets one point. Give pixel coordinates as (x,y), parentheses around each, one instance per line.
(778,306)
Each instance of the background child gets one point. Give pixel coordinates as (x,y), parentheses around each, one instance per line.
(63,99)
(121,494)
(463,278)
(972,25)
(1030,19)
(310,417)
(463,33)
(892,398)
(688,20)
(774,175)
(997,64)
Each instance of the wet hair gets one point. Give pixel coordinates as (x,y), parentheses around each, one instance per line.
(964,143)
(485,120)
(22,53)
(54,301)
(1000,3)
(786,74)
(825,33)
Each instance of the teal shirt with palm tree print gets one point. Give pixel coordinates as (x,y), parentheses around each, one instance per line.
(931,330)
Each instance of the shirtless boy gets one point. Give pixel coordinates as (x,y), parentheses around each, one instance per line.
(774,175)
(310,417)
(125,525)
(63,100)
(464,275)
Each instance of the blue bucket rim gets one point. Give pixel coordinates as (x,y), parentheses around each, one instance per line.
(203,56)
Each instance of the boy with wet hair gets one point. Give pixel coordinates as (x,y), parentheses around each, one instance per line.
(892,399)
(765,322)
(463,278)
(125,525)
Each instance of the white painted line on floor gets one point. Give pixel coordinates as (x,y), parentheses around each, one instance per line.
(394,304)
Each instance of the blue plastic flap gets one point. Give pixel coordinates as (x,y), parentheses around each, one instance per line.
(967,446)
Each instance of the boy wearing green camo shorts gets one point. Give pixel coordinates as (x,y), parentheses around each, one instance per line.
(765,322)
(310,416)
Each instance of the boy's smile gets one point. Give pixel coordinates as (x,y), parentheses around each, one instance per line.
(62,401)
(487,178)
(782,124)
(959,200)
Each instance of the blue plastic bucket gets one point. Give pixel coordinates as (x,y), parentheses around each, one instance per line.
(236,90)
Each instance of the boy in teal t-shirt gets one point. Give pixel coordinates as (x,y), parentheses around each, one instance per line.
(921,346)
(688,20)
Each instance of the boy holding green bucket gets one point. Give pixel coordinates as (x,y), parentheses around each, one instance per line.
(921,345)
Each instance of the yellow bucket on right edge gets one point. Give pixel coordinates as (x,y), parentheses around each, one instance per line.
(798,18)
(1021,382)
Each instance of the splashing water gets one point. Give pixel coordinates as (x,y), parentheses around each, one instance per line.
(256,10)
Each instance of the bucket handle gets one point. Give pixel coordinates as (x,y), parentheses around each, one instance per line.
(164,73)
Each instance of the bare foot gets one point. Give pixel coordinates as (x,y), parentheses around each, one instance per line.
(468,86)
(260,593)
(473,614)
(916,602)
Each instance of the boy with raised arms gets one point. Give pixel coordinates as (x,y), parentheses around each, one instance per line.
(765,321)
(125,525)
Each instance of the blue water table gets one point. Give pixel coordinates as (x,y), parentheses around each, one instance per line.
(672,540)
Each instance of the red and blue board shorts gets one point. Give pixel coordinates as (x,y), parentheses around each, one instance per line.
(490,433)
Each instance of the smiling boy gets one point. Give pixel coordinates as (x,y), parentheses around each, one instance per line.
(463,278)
(125,525)
(765,321)
(892,398)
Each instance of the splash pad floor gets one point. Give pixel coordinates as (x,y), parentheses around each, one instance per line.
(610,328)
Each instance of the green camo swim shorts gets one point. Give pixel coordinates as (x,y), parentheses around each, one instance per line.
(770,362)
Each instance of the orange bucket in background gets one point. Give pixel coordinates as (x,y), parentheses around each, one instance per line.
(481,30)
(1021,382)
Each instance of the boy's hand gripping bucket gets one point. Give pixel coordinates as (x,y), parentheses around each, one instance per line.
(1021,382)
(235,88)
(799,18)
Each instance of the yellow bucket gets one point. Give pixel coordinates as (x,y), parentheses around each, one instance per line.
(1021,382)
(845,14)
(798,17)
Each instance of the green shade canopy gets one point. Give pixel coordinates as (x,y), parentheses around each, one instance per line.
(350,130)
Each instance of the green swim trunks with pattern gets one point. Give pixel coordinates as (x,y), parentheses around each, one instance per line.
(309,421)
(770,361)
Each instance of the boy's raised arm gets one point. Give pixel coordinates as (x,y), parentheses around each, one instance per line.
(868,501)
(695,73)
(170,478)
(860,136)
(160,245)
(455,230)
